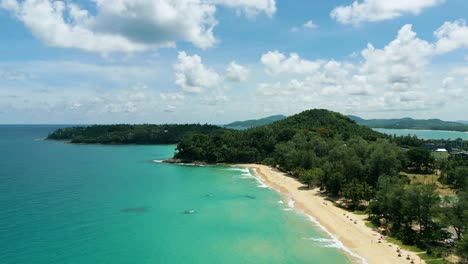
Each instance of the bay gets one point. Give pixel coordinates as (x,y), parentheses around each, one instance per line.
(65,203)
(425,134)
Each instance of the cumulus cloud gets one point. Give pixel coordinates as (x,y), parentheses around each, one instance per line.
(276,63)
(452,36)
(378,10)
(236,72)
(115,27)
(392,78)
(192,76)
(400,64)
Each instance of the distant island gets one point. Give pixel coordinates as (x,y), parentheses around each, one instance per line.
(255,122)
(410,123)
(131,134)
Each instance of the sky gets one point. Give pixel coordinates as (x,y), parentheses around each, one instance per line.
(217,61)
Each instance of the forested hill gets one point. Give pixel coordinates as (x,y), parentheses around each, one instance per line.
(254,122)
(326,123)
(131,134)
(409,123)
(260,143)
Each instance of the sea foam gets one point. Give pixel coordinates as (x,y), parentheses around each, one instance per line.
(336,242)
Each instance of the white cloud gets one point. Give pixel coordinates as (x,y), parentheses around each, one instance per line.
(115,27)
(400,64)
(127,101)
(396,77)
(65,72)
(236,72)
(192,76)
(215,99)
(452,36)
(276,63)
(310,24)
(136,99)
(170,109)
(307,25)
(172,96)
(378,10)
(249,8)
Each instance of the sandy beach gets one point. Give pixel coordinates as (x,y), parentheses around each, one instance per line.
(357,237)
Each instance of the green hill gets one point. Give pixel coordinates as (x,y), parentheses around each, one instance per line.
(260,143)
(255,122)
(318,146)
(410,123)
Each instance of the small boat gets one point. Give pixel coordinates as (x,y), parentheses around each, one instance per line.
(189,211)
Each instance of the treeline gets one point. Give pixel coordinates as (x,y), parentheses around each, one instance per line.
(131,134)
(454,210)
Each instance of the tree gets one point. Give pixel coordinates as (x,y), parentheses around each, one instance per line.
(461,248)
(357,191)
(419,158)
(311,177)
(454,212)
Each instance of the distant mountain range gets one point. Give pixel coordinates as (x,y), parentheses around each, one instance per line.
(395,123)
(410,123)
(255,122)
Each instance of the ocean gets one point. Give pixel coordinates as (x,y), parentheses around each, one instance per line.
(65,203)
(425,134)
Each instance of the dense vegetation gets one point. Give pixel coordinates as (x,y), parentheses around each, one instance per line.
(409,123)
(255,122)
(260,143)
(131,134)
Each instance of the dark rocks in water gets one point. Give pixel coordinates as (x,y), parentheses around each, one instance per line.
(189,211)
(135,210)
(172,161)
(250,197)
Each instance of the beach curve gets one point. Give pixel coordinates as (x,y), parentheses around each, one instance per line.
(358,241)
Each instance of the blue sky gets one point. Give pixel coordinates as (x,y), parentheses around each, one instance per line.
(215,61)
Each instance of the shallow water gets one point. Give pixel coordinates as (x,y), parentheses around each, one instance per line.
(64,203)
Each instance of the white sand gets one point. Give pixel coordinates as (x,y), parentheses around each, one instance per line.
(358,238)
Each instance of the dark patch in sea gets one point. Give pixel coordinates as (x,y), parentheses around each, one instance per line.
(142,209)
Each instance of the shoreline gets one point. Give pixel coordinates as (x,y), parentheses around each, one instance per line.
(358,241)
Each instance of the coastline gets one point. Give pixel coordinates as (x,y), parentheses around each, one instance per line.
(359,241)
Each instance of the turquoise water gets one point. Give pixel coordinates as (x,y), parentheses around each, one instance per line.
(64,203)
(425,134)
